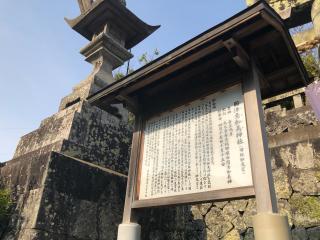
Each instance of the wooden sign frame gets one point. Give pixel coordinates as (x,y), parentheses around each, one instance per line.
(263,188)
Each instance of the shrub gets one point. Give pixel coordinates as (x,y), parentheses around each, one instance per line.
(5,203)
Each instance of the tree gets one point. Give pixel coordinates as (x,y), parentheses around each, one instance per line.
(144,59)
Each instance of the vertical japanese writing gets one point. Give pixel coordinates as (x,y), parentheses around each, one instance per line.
(195,148)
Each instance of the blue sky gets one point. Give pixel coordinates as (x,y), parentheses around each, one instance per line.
(40,60)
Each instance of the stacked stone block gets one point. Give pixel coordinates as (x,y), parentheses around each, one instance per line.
(68,177)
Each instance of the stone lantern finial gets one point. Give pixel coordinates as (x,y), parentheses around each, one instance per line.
(86,5)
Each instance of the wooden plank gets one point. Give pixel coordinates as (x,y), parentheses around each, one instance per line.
(259,152)
(174,99)
(219,195)
(239,55)
(139,170)
(128,215)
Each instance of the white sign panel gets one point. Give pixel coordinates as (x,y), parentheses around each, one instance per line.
(197,148)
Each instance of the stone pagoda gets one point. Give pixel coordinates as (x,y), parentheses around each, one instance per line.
(68,177)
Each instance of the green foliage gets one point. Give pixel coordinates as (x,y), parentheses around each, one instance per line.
(311,62)
(131,119)
(118,76)
(146,58)
(5,203)
(143,60)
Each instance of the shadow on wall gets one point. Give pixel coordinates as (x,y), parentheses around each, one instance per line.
(220,220)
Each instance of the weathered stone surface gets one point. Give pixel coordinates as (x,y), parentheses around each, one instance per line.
(285,210)
(299,234)
(306,210)
(217,223)
(85,132)
(230,212)
(294,119)
(306,182)
(63,197)
(249,235)
(250,212)
(212,236)
(314,233)
(204,208)
(239,224)
(220,204)
(304,154)
(300,155)
(233,235)
(281,184)
(196,212)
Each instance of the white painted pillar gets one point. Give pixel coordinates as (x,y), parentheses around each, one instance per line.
(269,226)
(129,231)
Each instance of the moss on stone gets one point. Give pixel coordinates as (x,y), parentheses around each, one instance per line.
(308,206)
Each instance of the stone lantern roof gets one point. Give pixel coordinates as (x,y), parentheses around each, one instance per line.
(112,12)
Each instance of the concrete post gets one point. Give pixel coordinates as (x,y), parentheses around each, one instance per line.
(297,101)
(269,226)
(129,231)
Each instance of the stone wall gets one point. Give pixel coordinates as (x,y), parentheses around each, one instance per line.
(68,177)
(66,199)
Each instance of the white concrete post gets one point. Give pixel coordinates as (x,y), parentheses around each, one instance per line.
(269,226)
(129,231)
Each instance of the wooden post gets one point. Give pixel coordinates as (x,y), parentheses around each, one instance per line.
(267,223)
(129,229)
(259,151)
(135,152)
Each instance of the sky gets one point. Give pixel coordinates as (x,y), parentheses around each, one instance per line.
(40,60)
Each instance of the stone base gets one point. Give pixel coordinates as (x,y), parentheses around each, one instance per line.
(59,197)
(131,231)
(271,226)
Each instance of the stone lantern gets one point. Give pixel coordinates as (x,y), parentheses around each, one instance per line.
(112,30)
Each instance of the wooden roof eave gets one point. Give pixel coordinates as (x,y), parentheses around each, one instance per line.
(278,24)
(192,51)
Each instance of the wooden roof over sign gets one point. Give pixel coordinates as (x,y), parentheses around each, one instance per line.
(219,56)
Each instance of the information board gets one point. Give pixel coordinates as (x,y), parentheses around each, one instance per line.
(199,147)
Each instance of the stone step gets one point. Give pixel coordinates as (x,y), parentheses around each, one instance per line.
(54,129)
(302,134)
(277,122)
